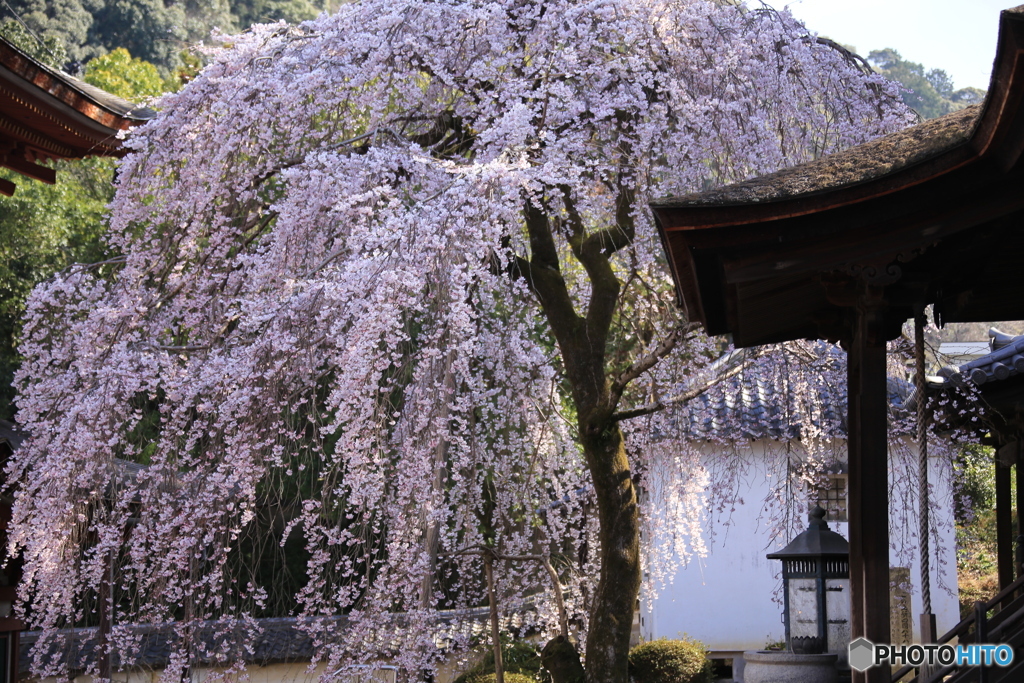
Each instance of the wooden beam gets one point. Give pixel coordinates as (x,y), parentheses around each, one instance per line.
(11,624)
(7,187)
(868,497)
(43,174)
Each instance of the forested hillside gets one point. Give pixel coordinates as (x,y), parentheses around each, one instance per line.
(154,30)
(929,92)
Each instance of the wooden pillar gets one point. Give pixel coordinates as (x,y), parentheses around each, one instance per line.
(1019,556)
(103,630)
(868,497)
(1004,520)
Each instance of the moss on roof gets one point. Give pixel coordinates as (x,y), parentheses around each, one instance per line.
(880,157)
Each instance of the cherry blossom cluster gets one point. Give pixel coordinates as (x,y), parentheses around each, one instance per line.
(317,315)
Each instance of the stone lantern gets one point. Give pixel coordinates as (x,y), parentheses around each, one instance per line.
(816,582)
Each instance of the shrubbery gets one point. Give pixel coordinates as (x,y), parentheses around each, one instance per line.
(521,660)
(670,661)
(509,678)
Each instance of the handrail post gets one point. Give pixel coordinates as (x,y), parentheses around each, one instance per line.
(1019,552)
(981,635)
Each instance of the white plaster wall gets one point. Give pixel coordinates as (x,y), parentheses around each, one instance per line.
(725,599)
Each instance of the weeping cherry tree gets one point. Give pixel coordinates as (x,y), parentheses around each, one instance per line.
(387,281)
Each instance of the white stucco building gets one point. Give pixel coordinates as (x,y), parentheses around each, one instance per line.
(774,445)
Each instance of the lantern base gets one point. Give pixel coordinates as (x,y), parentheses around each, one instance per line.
(765,666)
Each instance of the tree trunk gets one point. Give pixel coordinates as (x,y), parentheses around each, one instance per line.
(611,613)
(582,340)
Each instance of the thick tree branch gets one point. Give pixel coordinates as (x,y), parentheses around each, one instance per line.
(593,253)
(622,234)
(545,275)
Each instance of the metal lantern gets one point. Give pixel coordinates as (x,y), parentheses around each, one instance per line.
(816,581)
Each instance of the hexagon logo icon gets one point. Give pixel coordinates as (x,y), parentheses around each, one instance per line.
(862,654)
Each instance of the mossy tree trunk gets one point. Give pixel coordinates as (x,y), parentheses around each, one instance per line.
(582,340)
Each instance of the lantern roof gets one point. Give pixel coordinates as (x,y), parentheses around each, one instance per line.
(815,541)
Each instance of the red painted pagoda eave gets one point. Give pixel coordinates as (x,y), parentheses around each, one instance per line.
(732,257)
(46,114)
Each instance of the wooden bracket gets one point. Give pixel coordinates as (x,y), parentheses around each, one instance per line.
(29,169)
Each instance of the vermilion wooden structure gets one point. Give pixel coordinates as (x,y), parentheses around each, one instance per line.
(46,114)
(846,248)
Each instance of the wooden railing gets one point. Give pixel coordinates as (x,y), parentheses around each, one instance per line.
(1005,625)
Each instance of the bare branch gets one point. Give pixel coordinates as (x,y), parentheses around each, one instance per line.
(644,364)
(648,409)
(694,392)
(691,393)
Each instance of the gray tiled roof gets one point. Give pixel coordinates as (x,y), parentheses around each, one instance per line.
(1006,360)
(280,640)
(769,398)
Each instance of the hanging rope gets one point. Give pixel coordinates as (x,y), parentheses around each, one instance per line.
(922,462)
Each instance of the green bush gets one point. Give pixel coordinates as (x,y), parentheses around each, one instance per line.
(519,657)
(509,678)
(670,661)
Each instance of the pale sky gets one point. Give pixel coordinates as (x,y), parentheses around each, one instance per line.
(958,36)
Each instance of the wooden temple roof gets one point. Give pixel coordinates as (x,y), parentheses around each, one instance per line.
(985,395)
(930,214)
(46,114)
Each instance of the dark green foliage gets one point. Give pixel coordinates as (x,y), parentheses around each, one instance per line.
(50,51)
(520,658)
(157,31)
(146,28)
(64,22)
(202,16)
(670,661)
(974,480)
(930,93)
(562,661)
(264,11)
(43,229)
